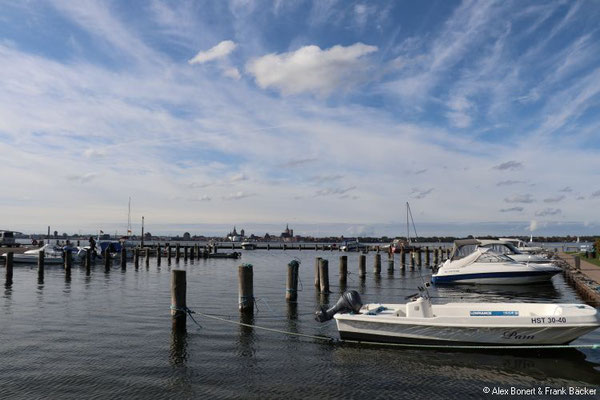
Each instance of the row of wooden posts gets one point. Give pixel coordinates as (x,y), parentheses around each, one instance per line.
(179,308)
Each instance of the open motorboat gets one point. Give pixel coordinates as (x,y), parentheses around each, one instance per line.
(467,246)
(421,322)
(484,266)
(52,255)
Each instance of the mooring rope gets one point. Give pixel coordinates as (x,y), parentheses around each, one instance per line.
(405,345)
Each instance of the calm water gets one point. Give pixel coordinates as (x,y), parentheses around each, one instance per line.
(109,336)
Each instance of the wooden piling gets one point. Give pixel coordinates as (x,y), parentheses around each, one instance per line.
(178,299)
(177,253)
(147,255)
(324,275)
(343,270)
(192,252)
(41,256)
(412,260)
(136,258)
(402,260)
(577,263)
(317,279)
(123,258)
(377,264)
(185,253)
(427,258)
(158,255)
(390,262)
(435,257)
(107,260)
(169,254)
(291,289)
(362,266)
(9,268)
(68,259)
(246,288)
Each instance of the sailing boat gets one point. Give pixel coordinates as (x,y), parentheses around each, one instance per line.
(399,245)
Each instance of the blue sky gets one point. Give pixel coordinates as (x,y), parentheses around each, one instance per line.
(479,113)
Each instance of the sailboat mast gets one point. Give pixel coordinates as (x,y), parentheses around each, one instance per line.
(407,225)
(129,219)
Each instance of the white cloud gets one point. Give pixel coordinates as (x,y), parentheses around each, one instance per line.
(232,73)
(237,195)
(85,178)
(219,51)
(312,70)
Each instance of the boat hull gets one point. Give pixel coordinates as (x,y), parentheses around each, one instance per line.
(28,259)
(448,335)
(495,278)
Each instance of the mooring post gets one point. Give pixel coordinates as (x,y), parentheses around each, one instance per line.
(324,275)
(577,262)
(136,258)
(377,264)
(362,266)
(9,268)
(147,260)
(168,253)
(123,258)
(246,288)
(68,259)
(268,246)
(158,255)
(177,252)
(402,260)
(291,289)
(197,251)
(390,262)
(178,299)
(412,259)
(317,280)
(41,266)
(192,253)
(107,260)
(435,257)
(343,270)
(185,253)
(427,257)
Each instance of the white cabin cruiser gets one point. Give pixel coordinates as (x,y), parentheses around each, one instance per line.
(248,245)
(419,321)
(467,246)
(484,266)
(522,246)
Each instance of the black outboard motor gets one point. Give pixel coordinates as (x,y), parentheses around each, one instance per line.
(350,301)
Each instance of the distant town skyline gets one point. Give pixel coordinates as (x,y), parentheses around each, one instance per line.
(328,115)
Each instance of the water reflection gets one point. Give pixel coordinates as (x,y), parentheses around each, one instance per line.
(499,366)
(178,350)
(247,338)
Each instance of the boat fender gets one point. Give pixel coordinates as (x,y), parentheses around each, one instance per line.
(349,302)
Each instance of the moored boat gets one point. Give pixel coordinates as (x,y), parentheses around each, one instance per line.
(420,321)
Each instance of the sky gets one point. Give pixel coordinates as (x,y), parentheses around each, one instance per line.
(328,115)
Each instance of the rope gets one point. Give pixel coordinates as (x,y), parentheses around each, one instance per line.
(188,312)
(406,345)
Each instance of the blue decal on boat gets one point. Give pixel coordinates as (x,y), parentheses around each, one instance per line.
(493,313)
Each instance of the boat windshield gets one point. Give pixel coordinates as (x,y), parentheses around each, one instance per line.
(492,257)
(502,248)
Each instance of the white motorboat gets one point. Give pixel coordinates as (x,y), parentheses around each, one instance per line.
(420,321)
(353,246)
(52,255)
(248,246)
(484,266)
(522,246)
(467,246)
